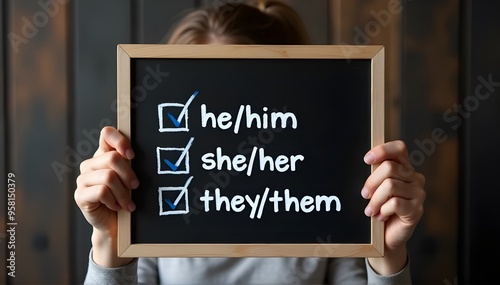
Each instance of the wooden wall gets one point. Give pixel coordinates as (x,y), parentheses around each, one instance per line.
(430,83)
(480,137)
(37,109)
(58,87)
(3,143)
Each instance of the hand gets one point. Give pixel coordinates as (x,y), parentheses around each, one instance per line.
(103,188)
(397,195)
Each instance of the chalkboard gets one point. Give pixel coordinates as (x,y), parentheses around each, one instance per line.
(250,150)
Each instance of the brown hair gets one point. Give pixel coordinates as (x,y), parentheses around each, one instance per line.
(257,22)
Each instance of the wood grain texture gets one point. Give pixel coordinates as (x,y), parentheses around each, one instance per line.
(250,51)
(123,121)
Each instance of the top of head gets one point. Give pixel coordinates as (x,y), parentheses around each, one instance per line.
(252,22)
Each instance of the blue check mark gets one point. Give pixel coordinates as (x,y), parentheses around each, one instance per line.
(174,120)
(172,205)
(175,166)
(177,121)
(182,195)
(171,165)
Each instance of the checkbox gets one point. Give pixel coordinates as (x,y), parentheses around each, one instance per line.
(174,200)
(173,117)
(173,160)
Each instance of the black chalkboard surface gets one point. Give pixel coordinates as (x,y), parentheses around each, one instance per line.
(250,150)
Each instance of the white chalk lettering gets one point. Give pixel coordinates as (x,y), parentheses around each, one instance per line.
(240,162)
(238,203)
(252,119)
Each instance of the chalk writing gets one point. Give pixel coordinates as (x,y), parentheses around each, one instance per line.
(280,202)
(264,121)
(173,117)
(281,163)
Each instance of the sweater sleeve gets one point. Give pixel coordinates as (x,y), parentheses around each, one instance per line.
(98,275)
(402,277)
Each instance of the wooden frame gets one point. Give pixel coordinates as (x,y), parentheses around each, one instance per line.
(127,52)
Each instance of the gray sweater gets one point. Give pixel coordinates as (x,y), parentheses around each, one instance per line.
(243,271)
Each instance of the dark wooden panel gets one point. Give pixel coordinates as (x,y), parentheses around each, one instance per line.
(315,17)
(480,100)
(3,147)
(429,89)
(38,125)
(97,27)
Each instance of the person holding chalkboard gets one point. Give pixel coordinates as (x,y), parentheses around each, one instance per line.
(395,190)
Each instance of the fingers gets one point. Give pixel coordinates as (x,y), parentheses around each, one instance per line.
(107,177)
(93,196)
(394,187)
(112,139)
(106,187)
(410,210)
(393,197)
(393,170)
(114,161)
(394,150)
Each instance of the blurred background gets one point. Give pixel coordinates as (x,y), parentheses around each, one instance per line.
(58,84)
